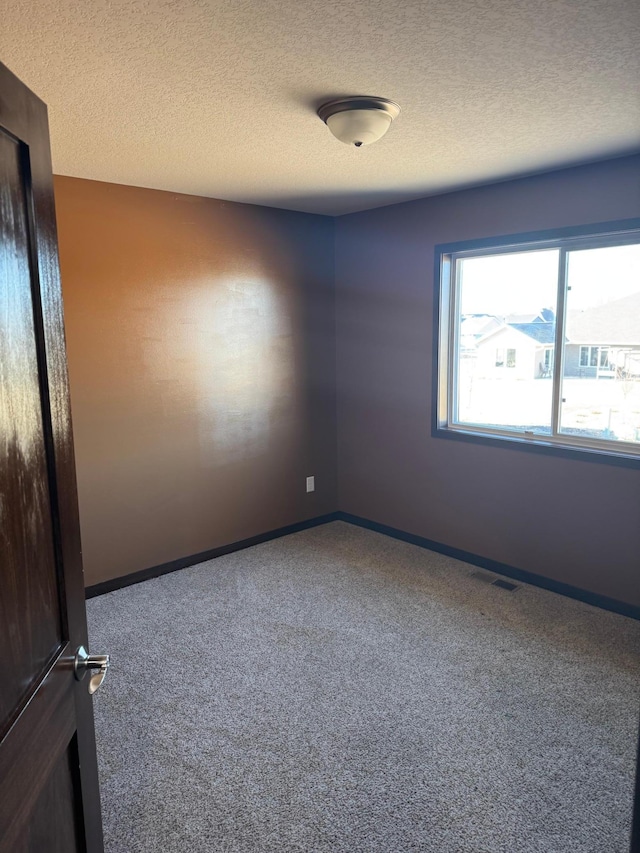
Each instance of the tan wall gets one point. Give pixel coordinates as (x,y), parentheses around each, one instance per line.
(201,349)
(571,520)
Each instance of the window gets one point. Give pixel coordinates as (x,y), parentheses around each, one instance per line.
(593,356)
(511,358)
(561,306)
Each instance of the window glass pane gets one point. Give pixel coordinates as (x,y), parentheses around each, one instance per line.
(505,324)
(602,400)
(584,356)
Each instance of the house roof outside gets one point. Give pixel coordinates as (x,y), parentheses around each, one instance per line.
(478,325)
(542,333)
(523,318)
(615,323)
(545,315)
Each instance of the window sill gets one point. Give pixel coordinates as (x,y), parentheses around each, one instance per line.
(539,445)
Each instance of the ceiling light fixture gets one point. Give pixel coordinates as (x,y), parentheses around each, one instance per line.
(359,120)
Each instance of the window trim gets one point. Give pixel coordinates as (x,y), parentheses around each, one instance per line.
(445,355)
(592,350)
(585,349)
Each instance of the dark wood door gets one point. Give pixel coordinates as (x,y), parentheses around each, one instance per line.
(49,800)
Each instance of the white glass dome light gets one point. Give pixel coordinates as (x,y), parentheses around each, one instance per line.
(359,121)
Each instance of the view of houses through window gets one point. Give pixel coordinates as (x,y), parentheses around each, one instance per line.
(504,339)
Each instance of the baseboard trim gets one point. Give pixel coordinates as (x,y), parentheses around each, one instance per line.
(203,556)
(498,568)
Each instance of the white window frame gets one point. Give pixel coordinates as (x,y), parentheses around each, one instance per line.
(445,421)
(586,350)
(594,353)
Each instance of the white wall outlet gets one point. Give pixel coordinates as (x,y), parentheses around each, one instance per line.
(311,484)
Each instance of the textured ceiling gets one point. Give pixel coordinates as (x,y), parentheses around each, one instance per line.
(218,98)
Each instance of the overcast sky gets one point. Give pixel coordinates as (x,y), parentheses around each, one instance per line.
(526,282)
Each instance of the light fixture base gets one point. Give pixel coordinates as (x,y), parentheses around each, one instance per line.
(358,102)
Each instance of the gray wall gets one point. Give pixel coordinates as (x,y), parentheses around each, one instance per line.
(571,520)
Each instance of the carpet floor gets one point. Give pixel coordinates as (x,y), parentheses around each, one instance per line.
(338,690)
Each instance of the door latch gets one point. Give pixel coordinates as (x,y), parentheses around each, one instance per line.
(83,662)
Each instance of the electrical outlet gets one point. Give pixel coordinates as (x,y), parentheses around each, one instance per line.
(311,484)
